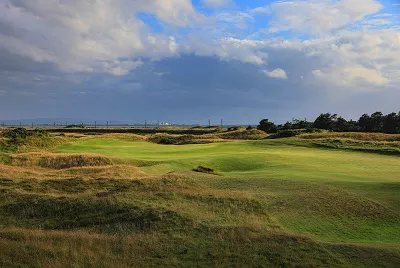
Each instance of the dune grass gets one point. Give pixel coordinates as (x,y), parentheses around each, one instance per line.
(274,203)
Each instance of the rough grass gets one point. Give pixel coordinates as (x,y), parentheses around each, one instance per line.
(354,136)
(366,142)
(178,139)
(252,134)
(219,249)
(184,219)
(55,161)
(243,134)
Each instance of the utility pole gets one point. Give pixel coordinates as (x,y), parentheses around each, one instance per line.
(95,124)
(222,125)
(209,123)
(145,123)
(107,124)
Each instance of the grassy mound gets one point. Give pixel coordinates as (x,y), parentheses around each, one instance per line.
(32,142)
(293,133)
(358,145)
(365,142)
(68,161)
(243,134)
(353,136)
(60,213)
(178,139)
(56,161)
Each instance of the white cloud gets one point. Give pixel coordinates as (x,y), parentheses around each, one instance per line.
(82,36)
(238,19)
(246,51)
(319,17)
(277,73)
(352,58)
(260,10)
(215,3)
(355,76)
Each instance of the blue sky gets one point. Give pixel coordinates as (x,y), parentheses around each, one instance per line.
(186,61)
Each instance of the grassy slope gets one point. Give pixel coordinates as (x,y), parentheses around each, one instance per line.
(321,191)
(270,193)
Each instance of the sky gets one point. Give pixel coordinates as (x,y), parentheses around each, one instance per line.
(185,61)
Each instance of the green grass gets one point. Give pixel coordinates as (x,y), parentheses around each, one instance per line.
(309,181)
(277,203)
(271,159)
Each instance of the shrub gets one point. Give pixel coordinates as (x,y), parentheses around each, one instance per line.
(75,126)
(267,126)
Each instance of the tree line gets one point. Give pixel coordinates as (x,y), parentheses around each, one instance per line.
(376,122)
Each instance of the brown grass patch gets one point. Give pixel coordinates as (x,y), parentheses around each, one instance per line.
(252,134)
(109,172)
(115,171)
(123,136)
(58,161)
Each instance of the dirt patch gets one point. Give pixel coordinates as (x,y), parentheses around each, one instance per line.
(206,170)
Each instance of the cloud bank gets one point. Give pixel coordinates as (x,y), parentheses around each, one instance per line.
(50,49)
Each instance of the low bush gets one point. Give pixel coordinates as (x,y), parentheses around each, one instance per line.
(75,126)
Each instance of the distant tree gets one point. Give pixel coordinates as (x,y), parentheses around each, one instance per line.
(249,128)
(352,126)
(296,124)
(365,123)
(300,124)
(341,125)
(325,121)
(391,123)
(267,126)
(287,125)
(377,120)
(373,123)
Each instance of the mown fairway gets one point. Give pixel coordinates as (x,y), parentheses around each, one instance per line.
(275,203)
